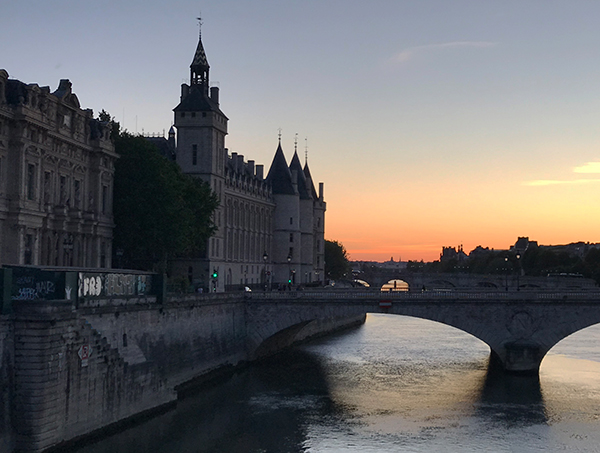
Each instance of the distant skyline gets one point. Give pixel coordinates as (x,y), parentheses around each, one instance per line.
(431,123)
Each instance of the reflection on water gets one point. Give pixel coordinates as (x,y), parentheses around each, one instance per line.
(395,384)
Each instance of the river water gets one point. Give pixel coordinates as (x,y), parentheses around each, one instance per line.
(396,384)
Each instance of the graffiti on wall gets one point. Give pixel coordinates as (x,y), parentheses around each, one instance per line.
(33,284)
(113,284)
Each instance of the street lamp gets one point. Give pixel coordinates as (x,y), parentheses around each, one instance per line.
(518,256)
(506,273)
(120,257)
(68,248)
(289,260)
(265,258)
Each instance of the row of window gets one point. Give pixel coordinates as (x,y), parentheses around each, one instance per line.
(60,250)
(68,192)
(219,118)
(247,217)
(246,246)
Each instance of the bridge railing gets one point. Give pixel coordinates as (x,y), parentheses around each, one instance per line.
(353,294)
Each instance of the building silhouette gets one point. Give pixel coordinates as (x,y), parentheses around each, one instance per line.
(270,230)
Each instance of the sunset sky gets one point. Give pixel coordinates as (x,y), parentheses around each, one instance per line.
(432,123)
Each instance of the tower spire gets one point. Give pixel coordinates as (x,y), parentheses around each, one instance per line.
(279,135)
(199,19)
(305,150)
(296,143)
(199,67)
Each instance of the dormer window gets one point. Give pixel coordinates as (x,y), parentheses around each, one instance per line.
(193,114)
(183,114)
(203,114)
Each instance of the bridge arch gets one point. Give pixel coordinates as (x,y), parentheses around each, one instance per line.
(395,284)
(519,332)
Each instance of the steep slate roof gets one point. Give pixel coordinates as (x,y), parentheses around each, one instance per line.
(303,189)
(200,61)
(280,177)
(163,146)
(309,179)
(198,101)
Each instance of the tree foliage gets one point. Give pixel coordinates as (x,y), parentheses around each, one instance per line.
(337,264)
(159,212)
(537,261)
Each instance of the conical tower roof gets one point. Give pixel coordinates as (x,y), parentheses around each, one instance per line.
(303,188)
(200,62)
(280,177)
(309,181)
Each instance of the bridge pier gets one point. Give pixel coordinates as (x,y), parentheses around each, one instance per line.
(517,357)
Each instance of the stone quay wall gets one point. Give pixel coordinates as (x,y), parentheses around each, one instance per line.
(75,368)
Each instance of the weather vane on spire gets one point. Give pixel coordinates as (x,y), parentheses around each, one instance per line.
(199,19)
(296,143)
(305,150)
(279,135)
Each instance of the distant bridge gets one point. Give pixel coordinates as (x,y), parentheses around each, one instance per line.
(519,327)
(511,281)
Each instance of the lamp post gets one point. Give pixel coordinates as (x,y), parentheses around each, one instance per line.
(120,258)
(265,258)
(289,260)
(506,273)
(518,256)
(68,248)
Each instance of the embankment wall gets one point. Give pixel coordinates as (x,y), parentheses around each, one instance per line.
(68,371)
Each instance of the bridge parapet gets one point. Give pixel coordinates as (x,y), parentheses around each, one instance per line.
(369,295)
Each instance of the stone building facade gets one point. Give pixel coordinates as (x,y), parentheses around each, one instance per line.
(270,230)
(56,178)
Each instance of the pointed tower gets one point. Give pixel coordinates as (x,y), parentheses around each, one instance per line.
(306,222)
(201,130)
(286,247)
(201,125)
(319,208)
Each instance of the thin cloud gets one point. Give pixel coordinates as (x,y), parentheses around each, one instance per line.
(589,167)
(556,182)
(410,52)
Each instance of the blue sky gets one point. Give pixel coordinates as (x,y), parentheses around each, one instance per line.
(432,123)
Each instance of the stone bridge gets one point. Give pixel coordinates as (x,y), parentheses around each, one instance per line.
(72,367)
(519,327)
(512,281)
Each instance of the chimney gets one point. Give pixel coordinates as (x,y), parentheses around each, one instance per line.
(214,94)
(251,167)
(234,162)
(240,163)
(321,189)
(260,172)
(185,90)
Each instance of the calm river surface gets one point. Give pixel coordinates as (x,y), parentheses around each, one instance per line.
(396,384)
